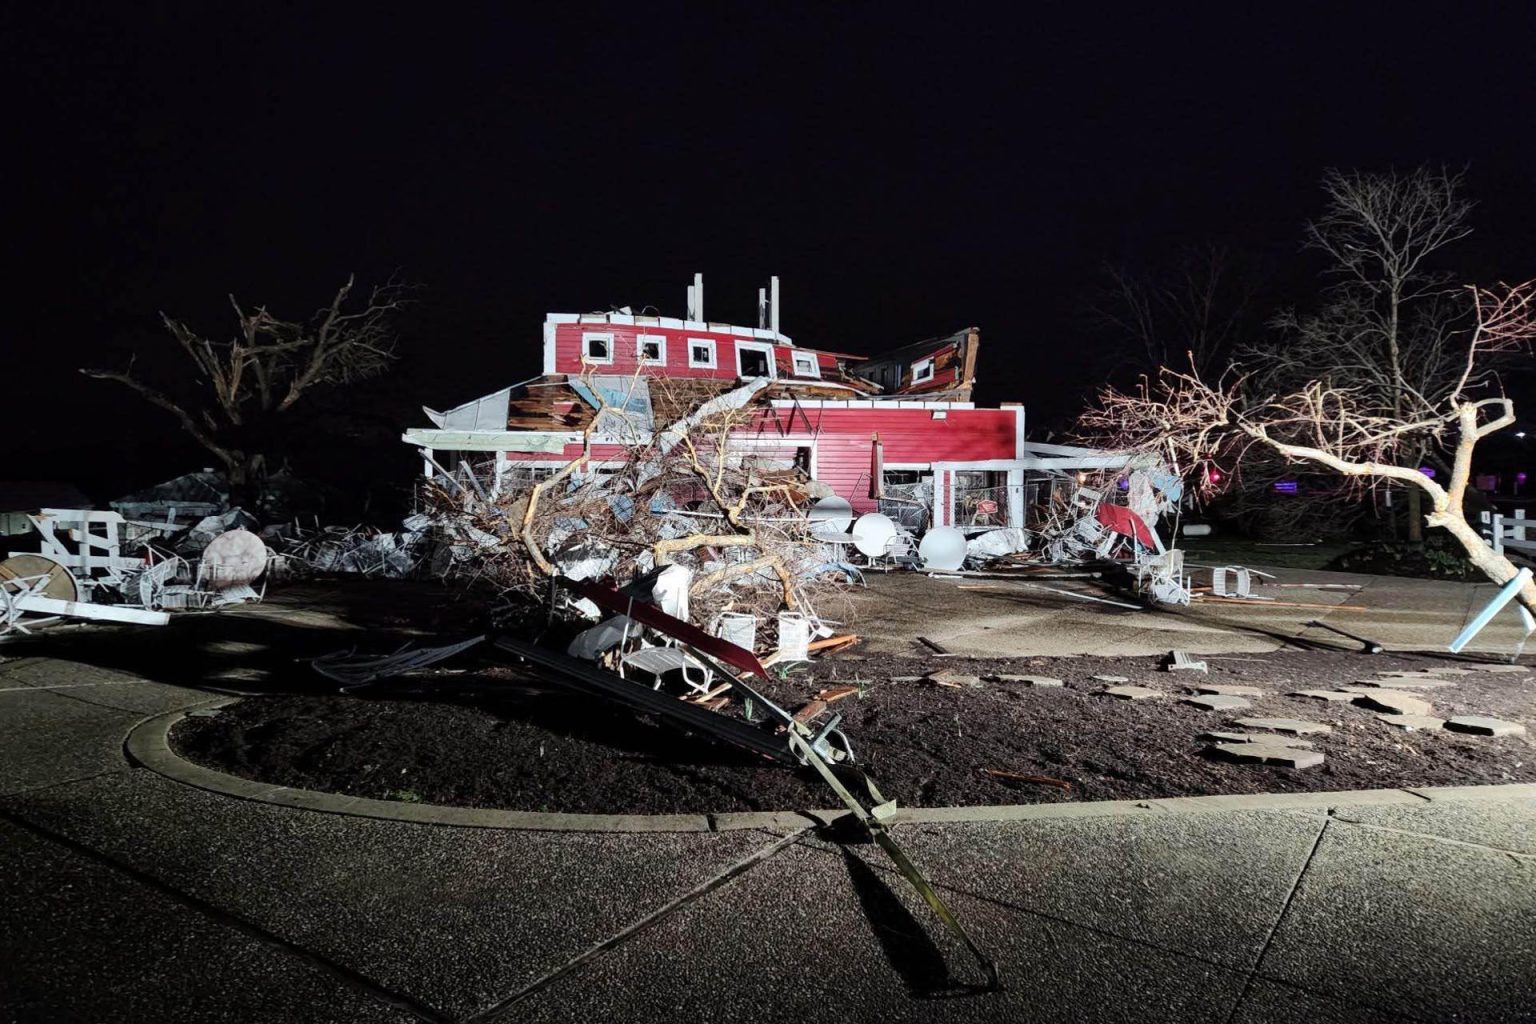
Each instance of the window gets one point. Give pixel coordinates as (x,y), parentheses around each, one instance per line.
(597,348)
(805,364)
(651,350)
(754,359)
(701,353)
(922,370)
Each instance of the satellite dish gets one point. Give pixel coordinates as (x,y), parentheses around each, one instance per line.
(233,558)
(872,533)
(943,549)
(830,516)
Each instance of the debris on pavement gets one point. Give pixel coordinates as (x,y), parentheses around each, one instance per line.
(1179,661)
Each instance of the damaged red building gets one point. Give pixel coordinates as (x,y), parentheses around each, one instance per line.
(895,431)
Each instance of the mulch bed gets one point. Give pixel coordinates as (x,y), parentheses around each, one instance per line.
(495,737)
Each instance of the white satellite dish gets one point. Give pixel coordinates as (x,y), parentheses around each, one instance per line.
(872,533)
(830,516)
(942,549)
(233,558)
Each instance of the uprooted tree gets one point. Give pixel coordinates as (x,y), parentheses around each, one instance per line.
(1195,423)
(246,386)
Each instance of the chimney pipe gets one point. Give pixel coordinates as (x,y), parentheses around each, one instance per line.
(698,297)
(773,303)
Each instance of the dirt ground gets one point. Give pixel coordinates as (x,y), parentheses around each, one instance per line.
(486,736)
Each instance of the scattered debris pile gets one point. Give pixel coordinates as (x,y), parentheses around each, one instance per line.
(743,539)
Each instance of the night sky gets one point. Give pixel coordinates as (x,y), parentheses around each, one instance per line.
(906,175)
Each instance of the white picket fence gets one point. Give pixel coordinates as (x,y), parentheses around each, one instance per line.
(1504,531)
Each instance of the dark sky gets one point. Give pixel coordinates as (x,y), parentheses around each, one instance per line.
(905,174)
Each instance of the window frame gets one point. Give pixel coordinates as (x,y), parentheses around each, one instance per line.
(641,340)
(764,347)
(588,336)
(794,364)
(714,355)
(927,363)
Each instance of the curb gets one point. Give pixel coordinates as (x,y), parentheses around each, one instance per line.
(147,744)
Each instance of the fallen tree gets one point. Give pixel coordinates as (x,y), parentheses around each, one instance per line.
(1197,425)
(681,496)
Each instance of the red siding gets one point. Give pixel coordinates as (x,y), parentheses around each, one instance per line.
(626,340)
(843,440)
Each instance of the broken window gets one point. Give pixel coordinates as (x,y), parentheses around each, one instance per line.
(922,370)
(981,497)
(651,349)
(701,353)
(805,365)
(597,348)
(754,361)
(908,497)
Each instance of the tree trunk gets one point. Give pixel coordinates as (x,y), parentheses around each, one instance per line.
(1415,515)
(1488,561)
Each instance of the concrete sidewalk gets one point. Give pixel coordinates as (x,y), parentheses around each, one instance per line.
(1006,618)
(129,897)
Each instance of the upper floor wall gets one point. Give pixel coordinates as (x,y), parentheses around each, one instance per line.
(621,344)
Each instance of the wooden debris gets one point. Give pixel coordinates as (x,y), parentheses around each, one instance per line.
(936,648)
(833,643)
(833,693)
(810,711)
(1039,780)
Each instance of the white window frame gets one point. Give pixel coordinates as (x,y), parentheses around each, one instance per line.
(641,340)
(708,343)
(795,359)
(757,346)
(918,377)
(587,336)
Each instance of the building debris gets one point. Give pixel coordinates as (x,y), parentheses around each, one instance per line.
(1180,661)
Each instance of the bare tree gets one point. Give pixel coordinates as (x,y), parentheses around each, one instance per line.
(1194,423)
(246,384)
(1195,308)
(1388,329)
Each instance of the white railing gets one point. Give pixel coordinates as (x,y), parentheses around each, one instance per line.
(1503,531)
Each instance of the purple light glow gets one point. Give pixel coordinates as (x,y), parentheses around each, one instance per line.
(1285,486)
(1520,477)
(1428,471)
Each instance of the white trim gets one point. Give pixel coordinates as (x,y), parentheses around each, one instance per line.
(1018,432)
(922,363)
(587,336)
(488,440)
(846,403)
(671,323)
(714,357)
(549,344)
(797,357)
(661,346)
(756,346)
